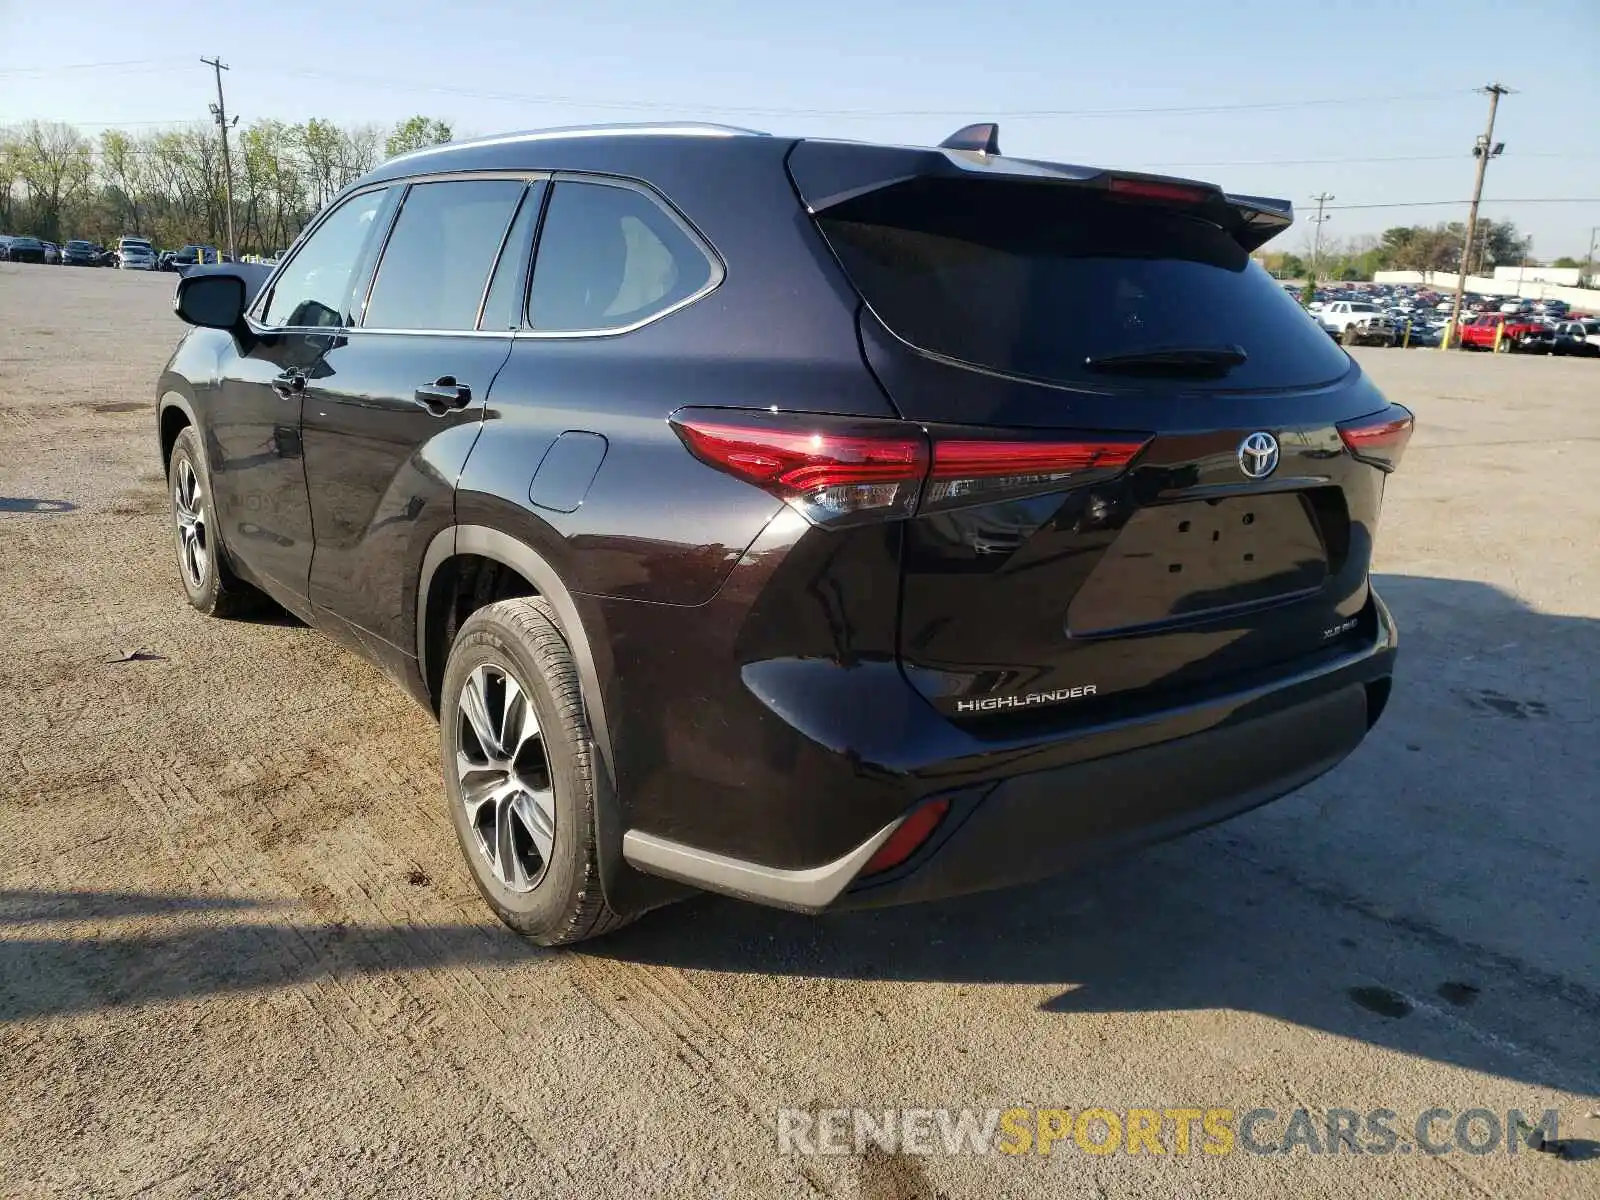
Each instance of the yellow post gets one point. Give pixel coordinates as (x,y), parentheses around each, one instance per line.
(1405,341)
(1499,334)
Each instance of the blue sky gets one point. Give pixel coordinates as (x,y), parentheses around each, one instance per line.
(1391,82)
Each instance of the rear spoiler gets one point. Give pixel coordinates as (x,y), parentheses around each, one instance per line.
(829,174)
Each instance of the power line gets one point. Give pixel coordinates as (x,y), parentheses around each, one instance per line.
(1451,203)
(412,86)
(1308,162)
(90,66)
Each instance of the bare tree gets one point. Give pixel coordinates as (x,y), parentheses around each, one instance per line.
(57,166)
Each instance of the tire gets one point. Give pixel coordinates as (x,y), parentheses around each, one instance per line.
(207,580)
(531,851)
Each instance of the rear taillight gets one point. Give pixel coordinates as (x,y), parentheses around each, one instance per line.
(973,472)
(833,469)
(839,470)
(1381,438)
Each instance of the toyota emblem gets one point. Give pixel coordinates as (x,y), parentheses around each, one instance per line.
(1258,455)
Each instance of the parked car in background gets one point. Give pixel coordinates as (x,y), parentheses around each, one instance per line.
(1578,337)
(979,635)
(1424,333)
(192,254)
(25,249)
(52,253)
(1357,322)
(136,254)
(1521,333)
(78,253)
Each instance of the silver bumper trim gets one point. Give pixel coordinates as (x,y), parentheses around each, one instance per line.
(809,890)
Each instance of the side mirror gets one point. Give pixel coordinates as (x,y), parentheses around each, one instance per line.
(213,301)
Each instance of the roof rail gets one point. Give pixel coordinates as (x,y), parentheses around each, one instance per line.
(982,139)
(644,129)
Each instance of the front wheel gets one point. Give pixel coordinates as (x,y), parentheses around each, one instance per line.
(515,745)
(211,586)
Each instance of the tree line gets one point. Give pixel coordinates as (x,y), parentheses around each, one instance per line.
(1410,248)
(57,183)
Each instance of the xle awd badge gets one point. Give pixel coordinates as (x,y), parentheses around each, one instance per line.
(1258,455)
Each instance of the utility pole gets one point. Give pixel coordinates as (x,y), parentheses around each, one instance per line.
(220,111)
(1485,149)
(1588,259)
(1316,242)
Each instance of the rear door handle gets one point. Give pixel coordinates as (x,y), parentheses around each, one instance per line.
(442,395)
(289,384)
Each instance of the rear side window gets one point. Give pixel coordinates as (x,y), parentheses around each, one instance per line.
(437,262)
(610,258)
(314,288)
(1033,280)
(502,309)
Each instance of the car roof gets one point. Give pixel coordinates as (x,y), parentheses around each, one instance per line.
(834,169)
(500,151)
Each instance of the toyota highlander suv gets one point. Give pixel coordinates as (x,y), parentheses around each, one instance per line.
(822,523)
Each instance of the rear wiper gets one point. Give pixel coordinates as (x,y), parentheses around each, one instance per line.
(1173,360)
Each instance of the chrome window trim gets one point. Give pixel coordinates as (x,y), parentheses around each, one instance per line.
(357,330)
(719,269)
(718,275)
(403,183)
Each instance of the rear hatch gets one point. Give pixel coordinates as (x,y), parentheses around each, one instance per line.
(1139,493)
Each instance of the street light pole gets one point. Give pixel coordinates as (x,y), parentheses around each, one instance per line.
(1483,152)
(1316,241)
(220,111)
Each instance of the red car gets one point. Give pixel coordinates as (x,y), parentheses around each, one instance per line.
(1521,333)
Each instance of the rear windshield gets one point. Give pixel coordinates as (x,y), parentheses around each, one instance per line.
(1033,280)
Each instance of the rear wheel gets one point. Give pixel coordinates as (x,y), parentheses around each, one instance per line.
(515,746)
(210,584)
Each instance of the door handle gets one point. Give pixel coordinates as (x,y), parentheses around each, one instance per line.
(290,383)
(442,395)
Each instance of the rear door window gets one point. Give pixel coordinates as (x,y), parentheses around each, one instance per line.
(611,258)
(436,265)
(502,307)
(1035,280)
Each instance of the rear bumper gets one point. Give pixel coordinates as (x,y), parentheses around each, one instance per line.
(1098,792)
(1035,826)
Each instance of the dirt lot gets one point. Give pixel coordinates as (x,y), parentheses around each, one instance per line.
(239,956)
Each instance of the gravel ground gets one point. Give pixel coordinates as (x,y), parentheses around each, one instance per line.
(239,955)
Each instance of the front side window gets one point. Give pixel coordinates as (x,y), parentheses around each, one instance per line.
(437,263)
(610,258)
(313,290)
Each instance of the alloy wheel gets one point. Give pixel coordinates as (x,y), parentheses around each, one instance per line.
(505,777)
(188,505)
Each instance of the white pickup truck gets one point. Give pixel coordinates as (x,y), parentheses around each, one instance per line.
(1357,321)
